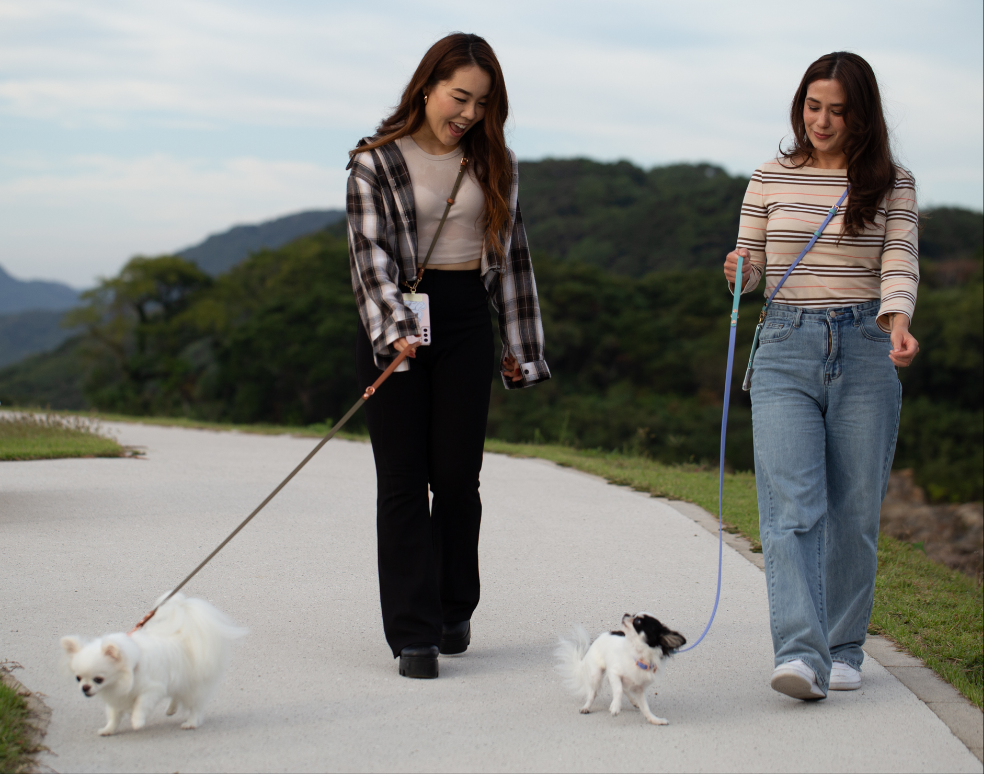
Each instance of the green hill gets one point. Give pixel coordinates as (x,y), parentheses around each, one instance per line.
(638,356)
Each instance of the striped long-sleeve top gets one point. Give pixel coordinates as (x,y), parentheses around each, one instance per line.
(782,209)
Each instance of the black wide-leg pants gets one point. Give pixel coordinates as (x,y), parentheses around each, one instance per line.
(427,427)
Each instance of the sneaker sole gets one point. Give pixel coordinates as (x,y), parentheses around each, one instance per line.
(794,685)
(843,685)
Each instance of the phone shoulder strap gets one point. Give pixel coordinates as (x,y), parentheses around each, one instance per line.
(440,226)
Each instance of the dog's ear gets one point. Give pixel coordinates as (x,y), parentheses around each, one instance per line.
(71,645)
(672,640)
(112,650)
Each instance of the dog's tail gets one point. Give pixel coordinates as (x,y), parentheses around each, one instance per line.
(570,655)
(203,631)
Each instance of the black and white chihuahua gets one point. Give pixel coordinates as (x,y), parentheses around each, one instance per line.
(631,656)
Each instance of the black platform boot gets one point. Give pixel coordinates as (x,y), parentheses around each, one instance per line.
(455,637)
(419,661)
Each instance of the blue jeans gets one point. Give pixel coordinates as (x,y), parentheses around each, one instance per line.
(825,412)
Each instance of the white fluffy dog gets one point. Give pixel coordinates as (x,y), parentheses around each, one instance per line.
(179,654)
(631,656)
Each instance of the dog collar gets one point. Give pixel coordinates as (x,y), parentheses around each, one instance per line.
(644,665)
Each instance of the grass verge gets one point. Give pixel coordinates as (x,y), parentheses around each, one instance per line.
(933,612)
(16,743)
(50,436)
(303,431)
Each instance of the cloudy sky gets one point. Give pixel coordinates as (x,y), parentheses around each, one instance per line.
(133,127)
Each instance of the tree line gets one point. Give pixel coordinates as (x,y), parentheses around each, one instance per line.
(636,331)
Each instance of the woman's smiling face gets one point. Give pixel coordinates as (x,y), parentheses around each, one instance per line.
(823,115)
(453,107)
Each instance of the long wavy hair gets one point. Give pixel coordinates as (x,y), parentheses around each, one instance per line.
(871,167)
(484,144)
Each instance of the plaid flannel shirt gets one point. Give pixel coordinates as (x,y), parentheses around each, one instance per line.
(382,232)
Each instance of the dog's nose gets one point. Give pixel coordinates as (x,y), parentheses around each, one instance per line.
(86,689)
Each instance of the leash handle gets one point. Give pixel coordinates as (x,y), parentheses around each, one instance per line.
(724,430)
(370,391)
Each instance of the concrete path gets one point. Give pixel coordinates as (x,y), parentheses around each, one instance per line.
(87,545)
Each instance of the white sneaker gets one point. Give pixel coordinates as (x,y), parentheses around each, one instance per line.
(796,679)
(844,677)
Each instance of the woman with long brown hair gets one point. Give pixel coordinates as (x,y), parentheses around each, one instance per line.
(435,233)
(825,391)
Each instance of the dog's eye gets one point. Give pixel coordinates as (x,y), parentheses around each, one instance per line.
(78,678)
(98,681)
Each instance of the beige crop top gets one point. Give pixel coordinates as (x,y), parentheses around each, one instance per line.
(433,178)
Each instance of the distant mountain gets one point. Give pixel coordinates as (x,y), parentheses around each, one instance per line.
(28,295)
(26,333)
(220,252)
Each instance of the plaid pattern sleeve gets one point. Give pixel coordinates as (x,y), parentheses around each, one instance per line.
(515,299)
(378,236)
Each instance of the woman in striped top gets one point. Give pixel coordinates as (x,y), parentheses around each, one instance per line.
(825,391)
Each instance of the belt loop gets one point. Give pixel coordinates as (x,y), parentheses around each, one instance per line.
(797,318)
(857,315)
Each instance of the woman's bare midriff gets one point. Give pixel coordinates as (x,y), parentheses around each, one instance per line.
(466,266)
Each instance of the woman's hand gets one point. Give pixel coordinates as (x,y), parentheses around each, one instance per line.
(731,263)
(401,344)
(510,368)
(904,344)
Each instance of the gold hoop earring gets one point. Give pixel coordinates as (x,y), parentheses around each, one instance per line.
(425,99)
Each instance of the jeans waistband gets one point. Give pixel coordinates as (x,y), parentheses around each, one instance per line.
(866,309)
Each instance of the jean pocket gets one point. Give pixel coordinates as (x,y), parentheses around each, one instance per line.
(871,331)
(775,330)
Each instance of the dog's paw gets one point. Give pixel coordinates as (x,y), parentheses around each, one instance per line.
(107,730)
(584,710)
(189,725)
(659,721)
(138,722)
(615,711)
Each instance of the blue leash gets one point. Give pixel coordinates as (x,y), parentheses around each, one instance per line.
(739,281)
(724,430)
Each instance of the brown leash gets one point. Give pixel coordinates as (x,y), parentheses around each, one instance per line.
(370,391)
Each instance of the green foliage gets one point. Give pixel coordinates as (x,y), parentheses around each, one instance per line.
(137,332)
(950,233)
(50,379)
(283,330)
(271,340)
(25,333)
(637,365)
(630,221)
(942,424)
